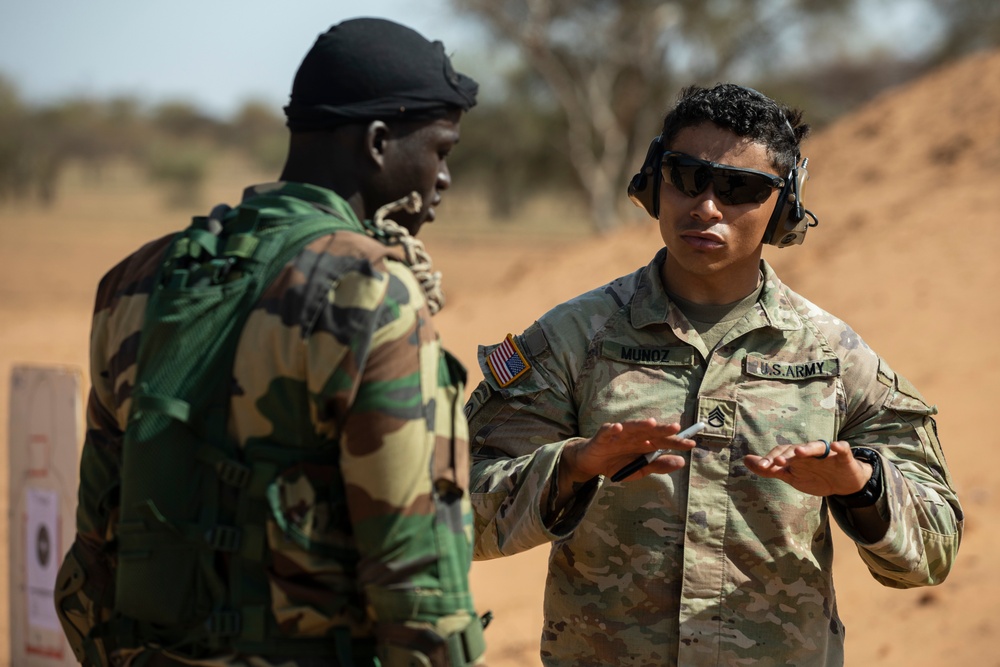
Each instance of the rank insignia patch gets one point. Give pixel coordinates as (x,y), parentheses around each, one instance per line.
(507,363)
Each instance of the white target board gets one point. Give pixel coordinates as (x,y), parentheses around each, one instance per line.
(45,429)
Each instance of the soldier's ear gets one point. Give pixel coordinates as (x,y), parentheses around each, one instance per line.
(376,136)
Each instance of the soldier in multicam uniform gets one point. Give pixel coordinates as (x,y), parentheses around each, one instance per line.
(367,545)
(728,559)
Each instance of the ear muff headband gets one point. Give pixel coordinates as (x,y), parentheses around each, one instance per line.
(788,223)
(644,188)
(790,219)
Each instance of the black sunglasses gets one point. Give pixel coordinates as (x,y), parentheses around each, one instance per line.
(732,184)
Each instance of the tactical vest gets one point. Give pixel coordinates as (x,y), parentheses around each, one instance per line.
(191,543)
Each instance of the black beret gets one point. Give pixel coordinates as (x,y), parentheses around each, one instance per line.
(374,69)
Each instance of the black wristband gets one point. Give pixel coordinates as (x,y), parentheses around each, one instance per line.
(872,490)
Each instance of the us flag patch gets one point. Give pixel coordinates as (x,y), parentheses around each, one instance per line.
(507,363)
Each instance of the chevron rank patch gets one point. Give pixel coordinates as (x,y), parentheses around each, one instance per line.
(507,363)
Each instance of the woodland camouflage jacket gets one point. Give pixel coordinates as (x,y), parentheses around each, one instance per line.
(340,353)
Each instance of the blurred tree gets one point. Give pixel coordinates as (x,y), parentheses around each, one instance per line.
(126,117)
(36,144)
(260,134)
(31,153)
(182,120)
(968,25)
(181,167)
(611,65)
(513,148)
(76,129)
(14,169)
(829,90)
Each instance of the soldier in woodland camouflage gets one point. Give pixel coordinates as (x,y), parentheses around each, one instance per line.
(366,545)
(727,559)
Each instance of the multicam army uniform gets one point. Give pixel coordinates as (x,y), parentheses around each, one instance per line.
(711,565)
(339,354)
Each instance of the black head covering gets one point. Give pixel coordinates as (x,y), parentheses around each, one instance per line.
(373,69)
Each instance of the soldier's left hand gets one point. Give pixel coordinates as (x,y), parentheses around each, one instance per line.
(838,473)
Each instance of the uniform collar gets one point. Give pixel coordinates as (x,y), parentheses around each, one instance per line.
(277,194)
(775,303)
(651,305)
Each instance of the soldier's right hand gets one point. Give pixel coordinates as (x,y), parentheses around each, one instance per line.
(616,445)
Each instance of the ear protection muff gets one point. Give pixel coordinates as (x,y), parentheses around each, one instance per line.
(790,219)
(644,188)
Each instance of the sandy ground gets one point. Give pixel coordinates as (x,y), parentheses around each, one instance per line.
(905,252)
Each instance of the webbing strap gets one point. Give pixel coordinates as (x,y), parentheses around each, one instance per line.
(230,471)
(165,405)
(201,240)
(338,647)
(223,538)
(342,644)
(223,624)
(241,245)
(404,603)
(246,218)
(233,473)
(257,473)
(466,646)
(179,248)
(254,622)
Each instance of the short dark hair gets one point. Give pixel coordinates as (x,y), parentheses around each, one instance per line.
(745,112)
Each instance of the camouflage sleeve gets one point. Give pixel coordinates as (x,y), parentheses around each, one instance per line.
(517,434)
(414,551)
(100,460)
(925,517)
(85,582)
(84,599)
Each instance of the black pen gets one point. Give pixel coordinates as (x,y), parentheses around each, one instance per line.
(642,461)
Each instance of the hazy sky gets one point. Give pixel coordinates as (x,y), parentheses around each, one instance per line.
(214,53)
(219,53)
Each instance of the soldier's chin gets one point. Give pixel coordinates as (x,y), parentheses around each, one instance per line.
(414,223)
(411,223)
